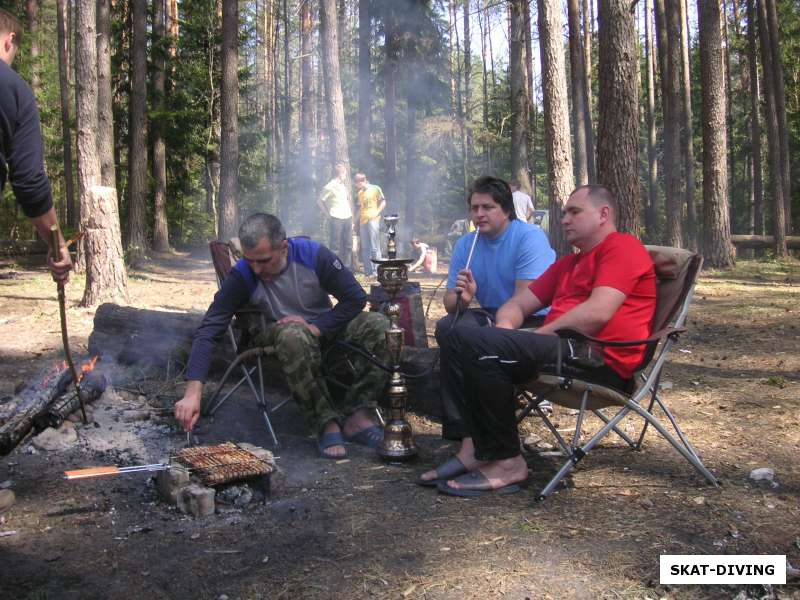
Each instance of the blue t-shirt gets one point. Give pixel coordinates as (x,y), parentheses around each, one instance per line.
(522,251)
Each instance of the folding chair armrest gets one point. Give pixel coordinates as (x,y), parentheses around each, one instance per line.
(572,334)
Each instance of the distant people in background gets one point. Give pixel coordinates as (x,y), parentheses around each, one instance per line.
(335,202)
(21,157)
(523,205)
(371,203)
(422,248)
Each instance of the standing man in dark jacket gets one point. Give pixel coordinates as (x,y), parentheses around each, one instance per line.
(290,281)
(21,158)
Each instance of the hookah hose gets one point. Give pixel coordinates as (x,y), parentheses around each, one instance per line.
(459,292)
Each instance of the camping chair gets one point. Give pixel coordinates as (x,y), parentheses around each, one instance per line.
(246,321)
(569,382)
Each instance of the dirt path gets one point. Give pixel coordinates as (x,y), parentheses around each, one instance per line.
(362,529)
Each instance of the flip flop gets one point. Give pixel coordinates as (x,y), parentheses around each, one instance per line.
(369,436)
(477,485)
(447,470)
(326,440)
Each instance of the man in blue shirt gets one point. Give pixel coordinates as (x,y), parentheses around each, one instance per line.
(507,255)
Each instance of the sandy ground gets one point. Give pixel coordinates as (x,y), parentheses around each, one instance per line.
(362,529)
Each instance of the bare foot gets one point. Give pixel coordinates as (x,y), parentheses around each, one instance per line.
(466,454)
(337,451)
(501,473)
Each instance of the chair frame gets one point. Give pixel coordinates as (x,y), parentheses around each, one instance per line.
(649,371)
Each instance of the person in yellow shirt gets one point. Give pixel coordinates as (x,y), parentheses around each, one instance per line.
(371,203)
(335,201)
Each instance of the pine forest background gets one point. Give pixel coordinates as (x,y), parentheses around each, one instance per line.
(434,93)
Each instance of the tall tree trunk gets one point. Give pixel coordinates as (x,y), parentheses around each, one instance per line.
(618,100)
(579,95)
(717,247)
(452,55)
(651,215)
(530,96)
(105,271)
(229,142)
(305,166)
(137,153)
(364,87)
(65,84)
(390,71)
(588,23)
(333,85)
(213,142)
(160,45)
(780,109)
(519,99)
(669,32)
(556,117)
(467,92)
(105,112)
(32,17)
(773,135)
(85,108)
(755,123)
(687,141)
(287,108)
(483,24)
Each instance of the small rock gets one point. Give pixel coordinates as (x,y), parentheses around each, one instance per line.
(141,399)
(762,474)
(222,597)
(6,484)
(531,440)
(196,500)
(53,440)
(7,499)
(132,416)
(170,482)
(666,385)
(699,501)
(244,498)
(646,503)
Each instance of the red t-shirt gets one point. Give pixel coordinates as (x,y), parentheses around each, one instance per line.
(620,261)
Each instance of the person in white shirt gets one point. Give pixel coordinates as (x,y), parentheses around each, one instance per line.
(334,200)
(523,205)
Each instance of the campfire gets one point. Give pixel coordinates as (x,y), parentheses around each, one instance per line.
(47,403)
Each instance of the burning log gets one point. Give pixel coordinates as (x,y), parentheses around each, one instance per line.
(28,410)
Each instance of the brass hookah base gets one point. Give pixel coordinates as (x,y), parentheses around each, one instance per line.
(398,438)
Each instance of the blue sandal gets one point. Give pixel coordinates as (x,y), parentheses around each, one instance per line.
(326,440)
(369,436)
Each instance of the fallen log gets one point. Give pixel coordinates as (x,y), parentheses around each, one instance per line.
(763,241)
(142,337)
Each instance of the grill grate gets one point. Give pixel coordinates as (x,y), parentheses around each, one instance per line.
(222,463)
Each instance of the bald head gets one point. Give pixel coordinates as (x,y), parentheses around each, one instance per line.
(599,195)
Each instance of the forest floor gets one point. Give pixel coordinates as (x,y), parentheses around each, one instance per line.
(359,528)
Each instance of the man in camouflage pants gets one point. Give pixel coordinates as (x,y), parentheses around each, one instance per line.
(291,281)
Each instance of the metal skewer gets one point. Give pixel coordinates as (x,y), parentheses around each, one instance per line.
(472,249)
(112,470)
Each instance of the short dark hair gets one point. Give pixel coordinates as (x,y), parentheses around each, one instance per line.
(598,194)
(260,226)
(499,191)
(11,24)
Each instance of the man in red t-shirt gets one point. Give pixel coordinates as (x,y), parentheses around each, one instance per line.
(607,290)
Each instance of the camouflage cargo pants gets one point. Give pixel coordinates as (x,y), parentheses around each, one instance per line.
(300,354)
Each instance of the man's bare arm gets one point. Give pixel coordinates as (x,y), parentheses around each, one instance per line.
(518,307)
(591,315)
